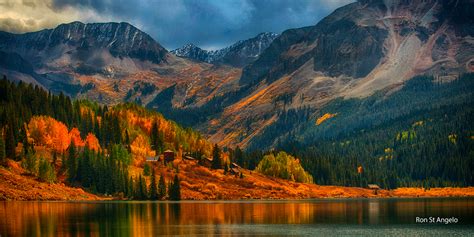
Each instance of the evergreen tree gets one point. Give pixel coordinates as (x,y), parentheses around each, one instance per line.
(10,143)
(144,188)
(24,138)
(146,169)
(162,187)
(127,141)
(46,171)
(141,190)
(238,156)
(216,157)
(175,189)
(153,187)
(156,138)
(30,164)
(72,163)
(226,168)
(130,190)
(3,155)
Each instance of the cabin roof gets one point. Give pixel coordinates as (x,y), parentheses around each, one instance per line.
(373,186)
(152,158)
(168,151)
(235,164)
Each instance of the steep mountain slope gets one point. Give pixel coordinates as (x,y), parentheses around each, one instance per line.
(77,41)
(239,54)
(107,62)
(192,51)
(360,48)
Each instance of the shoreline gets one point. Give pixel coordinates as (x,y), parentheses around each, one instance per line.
(214,186)
(210,201)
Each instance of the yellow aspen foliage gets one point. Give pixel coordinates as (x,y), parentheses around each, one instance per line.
(325,117)
(141,147)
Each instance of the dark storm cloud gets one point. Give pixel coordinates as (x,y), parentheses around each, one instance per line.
(209,24)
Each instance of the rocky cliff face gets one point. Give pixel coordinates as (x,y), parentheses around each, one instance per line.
(238,55)
(107,62)
(76,38)
(360,48)
(192,51)
(361,36)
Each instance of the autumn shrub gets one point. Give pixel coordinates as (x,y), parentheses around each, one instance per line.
(283,166)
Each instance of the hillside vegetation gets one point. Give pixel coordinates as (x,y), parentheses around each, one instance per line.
(100,148)
(419,135)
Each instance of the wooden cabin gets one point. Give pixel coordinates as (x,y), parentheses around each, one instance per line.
(234,171)
(152,159)
(168,156)
(206,162)
(235,165)
(374,187)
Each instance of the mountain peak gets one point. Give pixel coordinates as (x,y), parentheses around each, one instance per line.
(239,54)
(120,39)
(192,51)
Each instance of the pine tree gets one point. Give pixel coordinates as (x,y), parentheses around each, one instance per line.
(238,156)
(127,141)
(162,187)
(24,138)
(153,187)
(175,189)
(130,188)
(30,164)
(46,171)
(72,164)
(10,143)
(216,157)
(146,169)
(144,188)
(156,138)
(3,155)
(141,190)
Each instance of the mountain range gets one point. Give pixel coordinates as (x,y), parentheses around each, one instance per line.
(239,54)
(235,94)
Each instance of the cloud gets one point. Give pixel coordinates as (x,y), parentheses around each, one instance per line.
(30,15)
(207,23)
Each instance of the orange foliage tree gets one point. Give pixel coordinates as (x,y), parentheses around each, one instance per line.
(92,142)
(75,135)
(141,147)
(48,132)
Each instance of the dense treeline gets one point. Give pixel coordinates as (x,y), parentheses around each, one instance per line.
(421,135)
(93,144)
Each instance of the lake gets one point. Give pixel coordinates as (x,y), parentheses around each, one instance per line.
(386,217)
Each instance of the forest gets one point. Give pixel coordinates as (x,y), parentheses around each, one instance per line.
(89,145)
(421,135)
(418,136)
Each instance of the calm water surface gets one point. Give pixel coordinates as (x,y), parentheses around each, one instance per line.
(376,217)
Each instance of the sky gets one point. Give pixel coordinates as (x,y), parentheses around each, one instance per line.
(209,24)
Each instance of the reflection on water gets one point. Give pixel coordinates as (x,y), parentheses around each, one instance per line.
(233,218)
